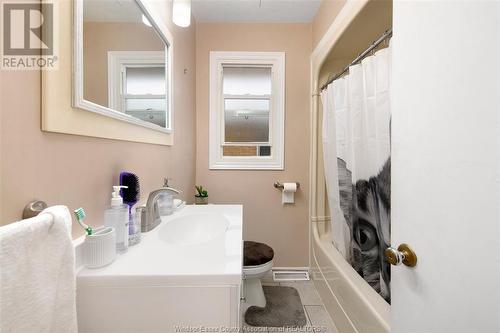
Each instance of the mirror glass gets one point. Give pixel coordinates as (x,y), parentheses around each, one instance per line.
(124,61)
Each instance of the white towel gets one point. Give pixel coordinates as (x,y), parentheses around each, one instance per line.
(37,274)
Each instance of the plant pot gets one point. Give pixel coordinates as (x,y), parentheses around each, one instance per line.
(200,200)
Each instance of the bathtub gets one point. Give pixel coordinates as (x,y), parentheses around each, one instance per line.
(353,305)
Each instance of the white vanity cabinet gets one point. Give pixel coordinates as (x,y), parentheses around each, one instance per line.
(159,308)
(170,284)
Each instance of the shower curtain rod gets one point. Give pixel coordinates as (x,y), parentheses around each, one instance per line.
(385,36)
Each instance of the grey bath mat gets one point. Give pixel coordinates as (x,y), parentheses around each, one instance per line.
(283,309)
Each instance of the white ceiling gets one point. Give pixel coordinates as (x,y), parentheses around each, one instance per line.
(111,11)
(296,11)
(211,10)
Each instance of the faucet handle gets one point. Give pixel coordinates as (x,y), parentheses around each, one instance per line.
(141,214)
(165,181)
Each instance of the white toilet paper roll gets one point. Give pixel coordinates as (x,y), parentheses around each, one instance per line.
(288,194)
(289,187)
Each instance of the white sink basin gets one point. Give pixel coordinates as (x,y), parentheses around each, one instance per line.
(193,228)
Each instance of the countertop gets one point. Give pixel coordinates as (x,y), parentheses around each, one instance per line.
(156,262)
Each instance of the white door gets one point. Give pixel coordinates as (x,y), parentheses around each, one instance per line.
(445,165)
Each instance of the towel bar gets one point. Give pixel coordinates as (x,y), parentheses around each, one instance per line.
(279,185)
(33,208)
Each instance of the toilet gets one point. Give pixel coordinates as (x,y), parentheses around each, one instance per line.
(257,261)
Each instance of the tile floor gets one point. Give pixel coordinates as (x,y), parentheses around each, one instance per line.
(318,320)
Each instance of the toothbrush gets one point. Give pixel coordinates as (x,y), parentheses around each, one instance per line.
(80,215)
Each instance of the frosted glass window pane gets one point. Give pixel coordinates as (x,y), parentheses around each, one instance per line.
(246,120)
(246,80)
(145,80)
(145,104)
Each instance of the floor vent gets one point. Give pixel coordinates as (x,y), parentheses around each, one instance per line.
(291,275)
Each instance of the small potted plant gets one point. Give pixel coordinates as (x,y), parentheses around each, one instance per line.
(201,197)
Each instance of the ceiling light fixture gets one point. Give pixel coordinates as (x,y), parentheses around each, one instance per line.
(181,13)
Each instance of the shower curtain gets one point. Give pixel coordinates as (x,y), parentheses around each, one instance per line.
(356,150)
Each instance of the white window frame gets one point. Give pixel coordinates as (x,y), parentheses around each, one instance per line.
(118,60)
(217,161)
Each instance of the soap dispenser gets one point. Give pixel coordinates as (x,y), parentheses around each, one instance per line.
(116,216)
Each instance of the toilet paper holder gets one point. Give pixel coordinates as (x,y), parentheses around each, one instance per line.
(280,186)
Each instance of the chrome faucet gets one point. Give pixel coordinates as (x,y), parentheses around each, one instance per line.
(150,217)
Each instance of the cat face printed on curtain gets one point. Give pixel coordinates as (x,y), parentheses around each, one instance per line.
(367,209)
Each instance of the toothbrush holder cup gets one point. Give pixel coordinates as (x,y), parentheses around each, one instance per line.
(99,249)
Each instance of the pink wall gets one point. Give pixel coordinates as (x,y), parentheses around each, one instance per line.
(285,228)
(327,12)
(79,171)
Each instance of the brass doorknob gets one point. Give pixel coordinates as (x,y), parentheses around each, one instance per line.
(403,254)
